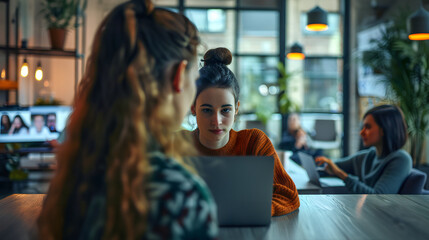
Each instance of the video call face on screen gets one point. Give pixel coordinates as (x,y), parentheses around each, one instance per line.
(34,124)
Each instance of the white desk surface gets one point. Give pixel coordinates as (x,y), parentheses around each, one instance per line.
(300,178)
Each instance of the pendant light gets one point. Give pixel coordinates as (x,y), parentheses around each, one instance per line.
(3,74)
(418,24)
(317,19)
(296,52)
(24,68)
(39,73)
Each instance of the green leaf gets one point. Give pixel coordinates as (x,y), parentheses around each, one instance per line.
(61,13)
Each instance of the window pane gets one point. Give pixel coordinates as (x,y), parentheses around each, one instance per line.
(259,3)
(165,2)
(322,85)
(256,75)
(326,42)
(208,20)
(216,28)
(314,43)
(210,3)
(258,32)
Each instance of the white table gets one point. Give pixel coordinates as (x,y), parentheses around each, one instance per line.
(300,178)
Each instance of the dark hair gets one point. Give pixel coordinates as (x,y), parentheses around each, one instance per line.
(391,120)
(215,72)
(5,127)
(23,125)
(122,109)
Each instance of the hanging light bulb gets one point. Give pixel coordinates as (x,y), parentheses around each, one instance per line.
(418,24)
(317,20)
(39,73)
(3,74)
(296,52)
(24,68)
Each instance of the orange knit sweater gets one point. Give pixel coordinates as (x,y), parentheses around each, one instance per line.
(255,142)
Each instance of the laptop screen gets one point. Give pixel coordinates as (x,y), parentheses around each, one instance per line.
(32,124)
(241,186)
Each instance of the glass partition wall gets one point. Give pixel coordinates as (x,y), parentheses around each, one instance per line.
(259,34)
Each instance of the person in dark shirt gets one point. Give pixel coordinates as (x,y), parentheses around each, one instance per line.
(51,122)
(5,124)
(383,167)
(296,139)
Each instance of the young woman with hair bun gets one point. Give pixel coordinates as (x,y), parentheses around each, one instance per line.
(216,107)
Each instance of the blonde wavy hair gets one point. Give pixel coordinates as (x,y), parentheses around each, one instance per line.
(123,111)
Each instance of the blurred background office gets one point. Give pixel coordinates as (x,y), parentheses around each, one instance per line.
(330,88)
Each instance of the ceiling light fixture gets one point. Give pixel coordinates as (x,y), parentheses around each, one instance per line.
(317,20)
(418,24)
(296,52)
(39,73)
(24,68)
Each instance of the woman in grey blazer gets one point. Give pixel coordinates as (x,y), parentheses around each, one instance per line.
(383,167)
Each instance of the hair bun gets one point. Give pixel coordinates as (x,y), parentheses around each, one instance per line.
(217,56)
(144,7)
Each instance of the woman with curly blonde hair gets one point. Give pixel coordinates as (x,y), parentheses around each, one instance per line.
(120,173)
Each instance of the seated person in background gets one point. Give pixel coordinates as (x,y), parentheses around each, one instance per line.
(215,107)
(295,139)
(39,127)
(56,143)
(51,122)
(299,136)
(5,124)
(120,173)
(382,168)
(18,126)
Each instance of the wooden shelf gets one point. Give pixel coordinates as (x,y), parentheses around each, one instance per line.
(8,85)
(41,51)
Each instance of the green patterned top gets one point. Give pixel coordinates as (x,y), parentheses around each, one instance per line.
(181,206)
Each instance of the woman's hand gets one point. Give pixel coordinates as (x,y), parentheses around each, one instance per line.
(12,128)
(331,168)
(300,139)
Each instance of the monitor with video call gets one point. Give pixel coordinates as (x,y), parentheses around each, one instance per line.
(32,124)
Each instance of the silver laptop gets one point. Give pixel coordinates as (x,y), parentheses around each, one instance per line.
(242,187)
(309,165)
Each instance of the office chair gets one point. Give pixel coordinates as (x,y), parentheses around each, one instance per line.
(414,183)
(325,130)
(325,136)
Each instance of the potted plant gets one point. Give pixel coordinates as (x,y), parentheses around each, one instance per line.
(285,104)
(47,102)
(404,66)
(60,15)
